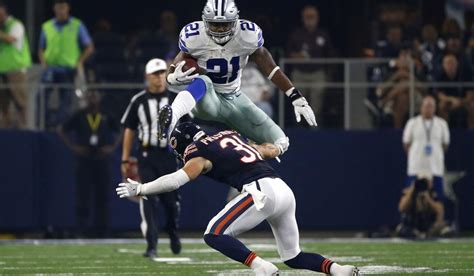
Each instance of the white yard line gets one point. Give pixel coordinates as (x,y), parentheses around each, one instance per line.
(172,260)
(200,241)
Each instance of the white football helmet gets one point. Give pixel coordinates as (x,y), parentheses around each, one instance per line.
(220,19)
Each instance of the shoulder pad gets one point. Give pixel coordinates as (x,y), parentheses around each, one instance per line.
(250,35)
(192,36)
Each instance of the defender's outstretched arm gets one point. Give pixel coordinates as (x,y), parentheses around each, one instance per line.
(167,183)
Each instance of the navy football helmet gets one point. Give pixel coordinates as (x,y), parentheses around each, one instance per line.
(183,135)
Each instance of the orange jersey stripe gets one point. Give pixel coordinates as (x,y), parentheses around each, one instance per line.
(232,214)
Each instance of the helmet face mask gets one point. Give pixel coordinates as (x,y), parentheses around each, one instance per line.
(220,21)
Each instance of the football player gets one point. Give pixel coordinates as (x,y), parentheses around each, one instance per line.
(222,44)
(227,158)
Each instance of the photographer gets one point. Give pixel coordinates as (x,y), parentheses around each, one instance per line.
(422,212)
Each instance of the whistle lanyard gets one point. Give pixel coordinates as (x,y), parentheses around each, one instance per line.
(94,121)
(428,126)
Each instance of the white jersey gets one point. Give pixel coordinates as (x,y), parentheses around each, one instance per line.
(420,133)
(223,63)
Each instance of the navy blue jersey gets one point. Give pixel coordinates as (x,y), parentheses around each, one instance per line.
(234,162)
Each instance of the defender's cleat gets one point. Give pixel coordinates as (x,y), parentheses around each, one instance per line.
(165,116)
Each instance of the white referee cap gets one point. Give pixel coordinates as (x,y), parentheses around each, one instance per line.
(155,65)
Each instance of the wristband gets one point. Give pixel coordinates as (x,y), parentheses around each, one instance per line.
(124,161)
(293,94)
(270,77)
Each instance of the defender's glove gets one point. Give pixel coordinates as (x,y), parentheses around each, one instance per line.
(130,189)
(302,107)
(178,77)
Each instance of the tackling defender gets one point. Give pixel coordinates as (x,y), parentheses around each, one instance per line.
(225,157)
(222,44)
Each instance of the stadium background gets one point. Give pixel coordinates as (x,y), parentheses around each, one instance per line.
(343,179)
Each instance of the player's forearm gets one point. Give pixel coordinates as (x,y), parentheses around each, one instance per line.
(282,81)
(164,184)
(127,143)
(268,67)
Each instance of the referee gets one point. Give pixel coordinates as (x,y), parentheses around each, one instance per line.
(154,157)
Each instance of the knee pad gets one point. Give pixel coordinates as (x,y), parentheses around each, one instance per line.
(282,143)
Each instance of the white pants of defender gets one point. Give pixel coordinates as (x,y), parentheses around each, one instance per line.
(279,211)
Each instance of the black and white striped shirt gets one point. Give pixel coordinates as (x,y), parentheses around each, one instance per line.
(142,115)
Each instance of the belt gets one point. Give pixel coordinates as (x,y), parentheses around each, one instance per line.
(254,189)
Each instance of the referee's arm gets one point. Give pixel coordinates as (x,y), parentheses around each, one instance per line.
(130,123)
(128,137)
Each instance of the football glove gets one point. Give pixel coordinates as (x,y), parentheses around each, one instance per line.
(130,189)
(302,108)
(178,77)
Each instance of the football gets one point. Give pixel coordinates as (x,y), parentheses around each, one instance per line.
(190,63)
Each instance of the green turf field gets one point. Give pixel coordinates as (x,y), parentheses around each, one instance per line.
(386,257)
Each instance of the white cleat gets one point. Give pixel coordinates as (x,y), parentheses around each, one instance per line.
(267,269)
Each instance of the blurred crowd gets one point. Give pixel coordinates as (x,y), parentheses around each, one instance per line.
(419,56)
(420,53)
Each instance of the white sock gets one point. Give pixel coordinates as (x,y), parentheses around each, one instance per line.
(182,105)
(335,268)
(257,262)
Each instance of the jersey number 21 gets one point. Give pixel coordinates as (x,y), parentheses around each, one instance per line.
(218,69)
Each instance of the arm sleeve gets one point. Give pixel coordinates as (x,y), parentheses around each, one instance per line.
(164,184)
(18,32)
(408,132)
(130,117)
(84,37)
